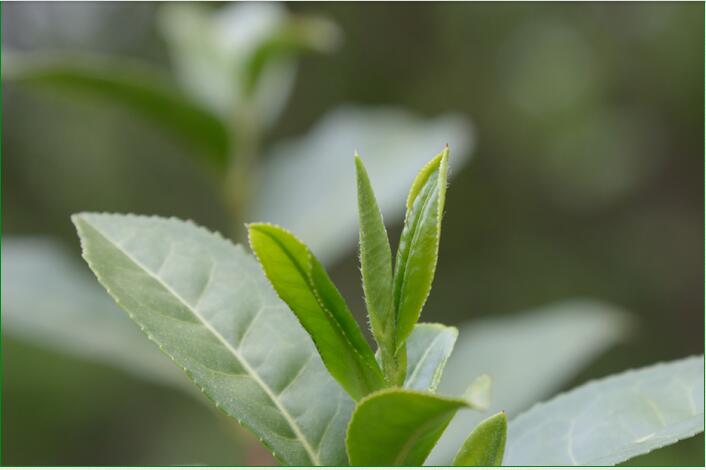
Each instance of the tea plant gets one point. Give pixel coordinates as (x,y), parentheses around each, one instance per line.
(327,398)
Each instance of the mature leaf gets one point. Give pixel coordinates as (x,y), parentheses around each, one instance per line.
(541,351)
(135,86)
(396,427)
(206,304)
(428,348)
(301,281)
(419,245)
(611,420)
(375,262)
(395,144)
(74,315)
(486,444)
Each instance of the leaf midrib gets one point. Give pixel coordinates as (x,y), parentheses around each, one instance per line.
(249,369)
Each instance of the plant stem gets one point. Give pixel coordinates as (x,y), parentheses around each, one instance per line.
(241,173)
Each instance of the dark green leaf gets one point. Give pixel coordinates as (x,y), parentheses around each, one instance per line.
(301,281)
(419,244)
(486,444)
(130,84)
(395,427)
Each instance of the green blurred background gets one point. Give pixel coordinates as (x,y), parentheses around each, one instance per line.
(586,181)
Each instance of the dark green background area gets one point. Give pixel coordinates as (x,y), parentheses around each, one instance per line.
(586,181)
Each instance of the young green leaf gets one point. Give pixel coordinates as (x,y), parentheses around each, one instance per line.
(396,427)
(301,281)
(376,270)
(478,391)
(206,304)
(485,446)
(428,348)
(132,85)
(419,245)
(608,421)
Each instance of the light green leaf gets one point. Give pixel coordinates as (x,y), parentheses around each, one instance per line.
(396,427)
(206,304)
(428,348)
(395,144)
(376,270)
(543,349)
(486,444)
(74,315)
(419,245)
(135,86)
(608,421)
(303,284)
(479,391)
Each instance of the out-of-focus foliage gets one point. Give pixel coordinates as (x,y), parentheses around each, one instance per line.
(587,182)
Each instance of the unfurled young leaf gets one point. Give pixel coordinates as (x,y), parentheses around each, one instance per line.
(419,245)
(486,444)
(608,421)
(301,281)
(206,304)
(397,427)
(376,270)
(428,348)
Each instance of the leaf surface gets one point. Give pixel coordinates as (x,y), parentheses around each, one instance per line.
(486,444)
(428,348)
(419,245)
(302,282)
(396,427)
(376,268)
(132,85)
(206,304)
(395,144)
(543,349)
(608,421)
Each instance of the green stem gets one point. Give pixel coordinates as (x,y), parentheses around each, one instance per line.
(241,174)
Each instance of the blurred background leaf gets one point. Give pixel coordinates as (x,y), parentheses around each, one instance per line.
(586,181)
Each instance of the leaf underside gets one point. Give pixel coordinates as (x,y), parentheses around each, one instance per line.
(428,348)
(206,304)
(611,420)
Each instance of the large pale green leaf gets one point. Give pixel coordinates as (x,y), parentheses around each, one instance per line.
(419,245)
(376,271)
(396,427)
(611,420)
(130,84)
(74,315)
(301,281)
(542,350)
(206,304)
(428,348)
(395,144)
(485,446)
